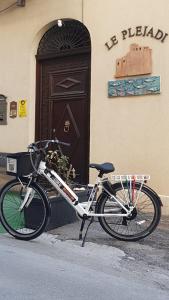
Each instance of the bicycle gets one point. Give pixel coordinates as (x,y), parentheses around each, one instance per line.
(127,209)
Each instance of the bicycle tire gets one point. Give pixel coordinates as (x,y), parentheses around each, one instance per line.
(143,220)
(29,223)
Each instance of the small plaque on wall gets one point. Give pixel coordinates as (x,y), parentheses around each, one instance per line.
(13,109)
(3,110)
(22,108)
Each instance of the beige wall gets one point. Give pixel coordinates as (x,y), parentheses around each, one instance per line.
(132,132)
(21,30)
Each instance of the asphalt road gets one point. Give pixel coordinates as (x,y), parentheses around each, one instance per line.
(148,254)
(49,268)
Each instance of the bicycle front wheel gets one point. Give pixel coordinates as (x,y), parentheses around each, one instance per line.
(143,219)
(30,221)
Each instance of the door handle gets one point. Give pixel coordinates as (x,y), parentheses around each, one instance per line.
(67,126)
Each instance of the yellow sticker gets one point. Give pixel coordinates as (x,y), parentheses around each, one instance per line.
(22,108)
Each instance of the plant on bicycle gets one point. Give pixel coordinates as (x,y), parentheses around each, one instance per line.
(60,164)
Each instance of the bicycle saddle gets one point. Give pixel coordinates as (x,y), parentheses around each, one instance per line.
(103,168)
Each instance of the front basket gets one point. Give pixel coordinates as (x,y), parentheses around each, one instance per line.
(19,164)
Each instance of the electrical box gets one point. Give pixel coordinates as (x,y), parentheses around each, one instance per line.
(3,110)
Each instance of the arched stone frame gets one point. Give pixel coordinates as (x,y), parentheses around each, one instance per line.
(71,39)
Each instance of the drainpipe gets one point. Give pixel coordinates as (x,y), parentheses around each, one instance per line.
(82,11)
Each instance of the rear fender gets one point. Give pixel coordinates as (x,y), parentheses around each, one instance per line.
(154,194)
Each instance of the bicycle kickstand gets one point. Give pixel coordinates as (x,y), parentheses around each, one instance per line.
(81,228)
(84,239)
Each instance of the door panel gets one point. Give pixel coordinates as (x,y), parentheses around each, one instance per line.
(67,82)
(64,106)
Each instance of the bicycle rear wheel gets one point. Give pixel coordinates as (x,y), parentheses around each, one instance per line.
(31,221)
(143,219)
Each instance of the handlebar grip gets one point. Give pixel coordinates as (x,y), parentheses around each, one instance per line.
(64,144)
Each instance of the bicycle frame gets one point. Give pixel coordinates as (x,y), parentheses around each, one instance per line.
(83,209)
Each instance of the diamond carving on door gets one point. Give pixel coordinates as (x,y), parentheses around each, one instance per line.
(68,83)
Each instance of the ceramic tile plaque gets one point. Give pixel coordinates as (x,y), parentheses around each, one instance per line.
(134,86)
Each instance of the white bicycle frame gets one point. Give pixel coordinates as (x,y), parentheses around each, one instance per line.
(83,209)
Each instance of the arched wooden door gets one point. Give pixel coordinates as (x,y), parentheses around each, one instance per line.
(63,91)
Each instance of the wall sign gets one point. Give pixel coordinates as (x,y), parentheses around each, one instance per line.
(142,31)
(138,61)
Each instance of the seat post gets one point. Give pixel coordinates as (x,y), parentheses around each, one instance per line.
(100,174)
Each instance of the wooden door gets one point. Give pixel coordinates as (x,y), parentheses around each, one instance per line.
(63,107)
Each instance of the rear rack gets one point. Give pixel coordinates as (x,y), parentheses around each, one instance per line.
(136,177)
(132,194)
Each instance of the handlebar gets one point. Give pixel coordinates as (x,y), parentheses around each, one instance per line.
(41,151)
(34,146)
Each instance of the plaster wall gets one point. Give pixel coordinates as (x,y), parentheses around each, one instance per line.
(21,30)
(132,132)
